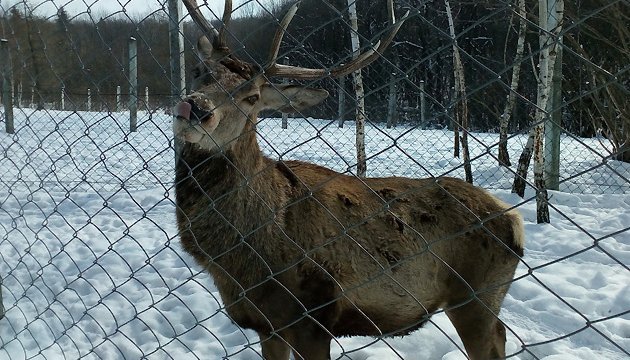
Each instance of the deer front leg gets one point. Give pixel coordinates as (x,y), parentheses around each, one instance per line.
(311,343)
(274,347)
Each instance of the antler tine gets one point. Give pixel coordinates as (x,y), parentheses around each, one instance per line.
(277,39)
(227,16)
(364,59)
(219,37)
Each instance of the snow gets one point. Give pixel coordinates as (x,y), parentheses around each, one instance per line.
(91,265)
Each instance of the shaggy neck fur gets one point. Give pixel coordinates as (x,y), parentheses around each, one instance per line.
(227,209)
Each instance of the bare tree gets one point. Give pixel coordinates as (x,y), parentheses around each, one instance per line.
(504,156)
(609,51)
(358,87)
(461,108)
(549,41)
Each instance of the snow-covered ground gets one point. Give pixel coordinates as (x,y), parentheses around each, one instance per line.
(91,264)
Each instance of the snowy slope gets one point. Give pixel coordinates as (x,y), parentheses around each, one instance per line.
(91,264)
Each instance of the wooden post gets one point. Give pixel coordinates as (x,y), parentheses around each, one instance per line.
(176,42)
(1,303)
(391,103)
(133,84)
(146,97)
(285,116)
(341,110)
(7,81)
(89,100)
(18,98)
(285,120)
(423,103)
(118,103)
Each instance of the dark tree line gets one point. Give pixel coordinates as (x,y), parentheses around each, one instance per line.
(81,52)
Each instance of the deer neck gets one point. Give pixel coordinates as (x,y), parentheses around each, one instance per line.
(221,197)
(216,169)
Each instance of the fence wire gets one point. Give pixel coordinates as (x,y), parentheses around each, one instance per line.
(92,261)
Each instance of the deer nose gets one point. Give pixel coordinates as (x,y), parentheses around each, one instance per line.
(197,114)
(189,110)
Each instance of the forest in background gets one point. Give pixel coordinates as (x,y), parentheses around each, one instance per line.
(81,51)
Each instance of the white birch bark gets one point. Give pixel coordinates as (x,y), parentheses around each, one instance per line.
(461,108)
(518,187)
(358,88)
(548,44)
(504,157)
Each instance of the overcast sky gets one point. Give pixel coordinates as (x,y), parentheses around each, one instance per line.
(133,8)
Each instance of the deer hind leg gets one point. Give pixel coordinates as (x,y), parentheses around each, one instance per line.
(481,331)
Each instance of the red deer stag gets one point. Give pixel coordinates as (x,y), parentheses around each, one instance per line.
(302,254)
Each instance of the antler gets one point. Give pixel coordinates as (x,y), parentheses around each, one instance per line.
(273,69)
(219,37)
(364,59)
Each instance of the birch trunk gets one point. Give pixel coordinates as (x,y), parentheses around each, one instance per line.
(523,164)
(504,156)
(461,107)
(548,43)
(358,88)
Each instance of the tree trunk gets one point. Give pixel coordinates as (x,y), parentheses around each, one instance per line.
(523,164)
(35,59)
(360,94)
(548,44)
(504,156)
(461,107)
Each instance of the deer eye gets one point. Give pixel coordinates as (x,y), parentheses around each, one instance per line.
(252,99)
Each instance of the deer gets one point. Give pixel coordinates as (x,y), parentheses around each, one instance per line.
(302,254)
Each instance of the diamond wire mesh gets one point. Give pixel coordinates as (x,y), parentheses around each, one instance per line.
(90,260)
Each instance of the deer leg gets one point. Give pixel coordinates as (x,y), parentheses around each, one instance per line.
(274,347)
(481,331)
(312,343)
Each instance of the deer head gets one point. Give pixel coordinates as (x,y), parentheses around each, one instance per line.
(228,93)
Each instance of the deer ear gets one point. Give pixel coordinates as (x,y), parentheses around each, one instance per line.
(290,98)
(204,47)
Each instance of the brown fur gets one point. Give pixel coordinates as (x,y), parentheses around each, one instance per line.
(302,254)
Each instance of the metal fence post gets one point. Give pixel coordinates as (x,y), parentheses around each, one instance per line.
(133,85)
(89,100)
(7,84)
(176,41)
(63,98)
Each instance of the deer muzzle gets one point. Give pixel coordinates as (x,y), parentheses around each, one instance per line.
(189,111)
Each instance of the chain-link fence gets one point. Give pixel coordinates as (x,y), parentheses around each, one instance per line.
(96,258)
